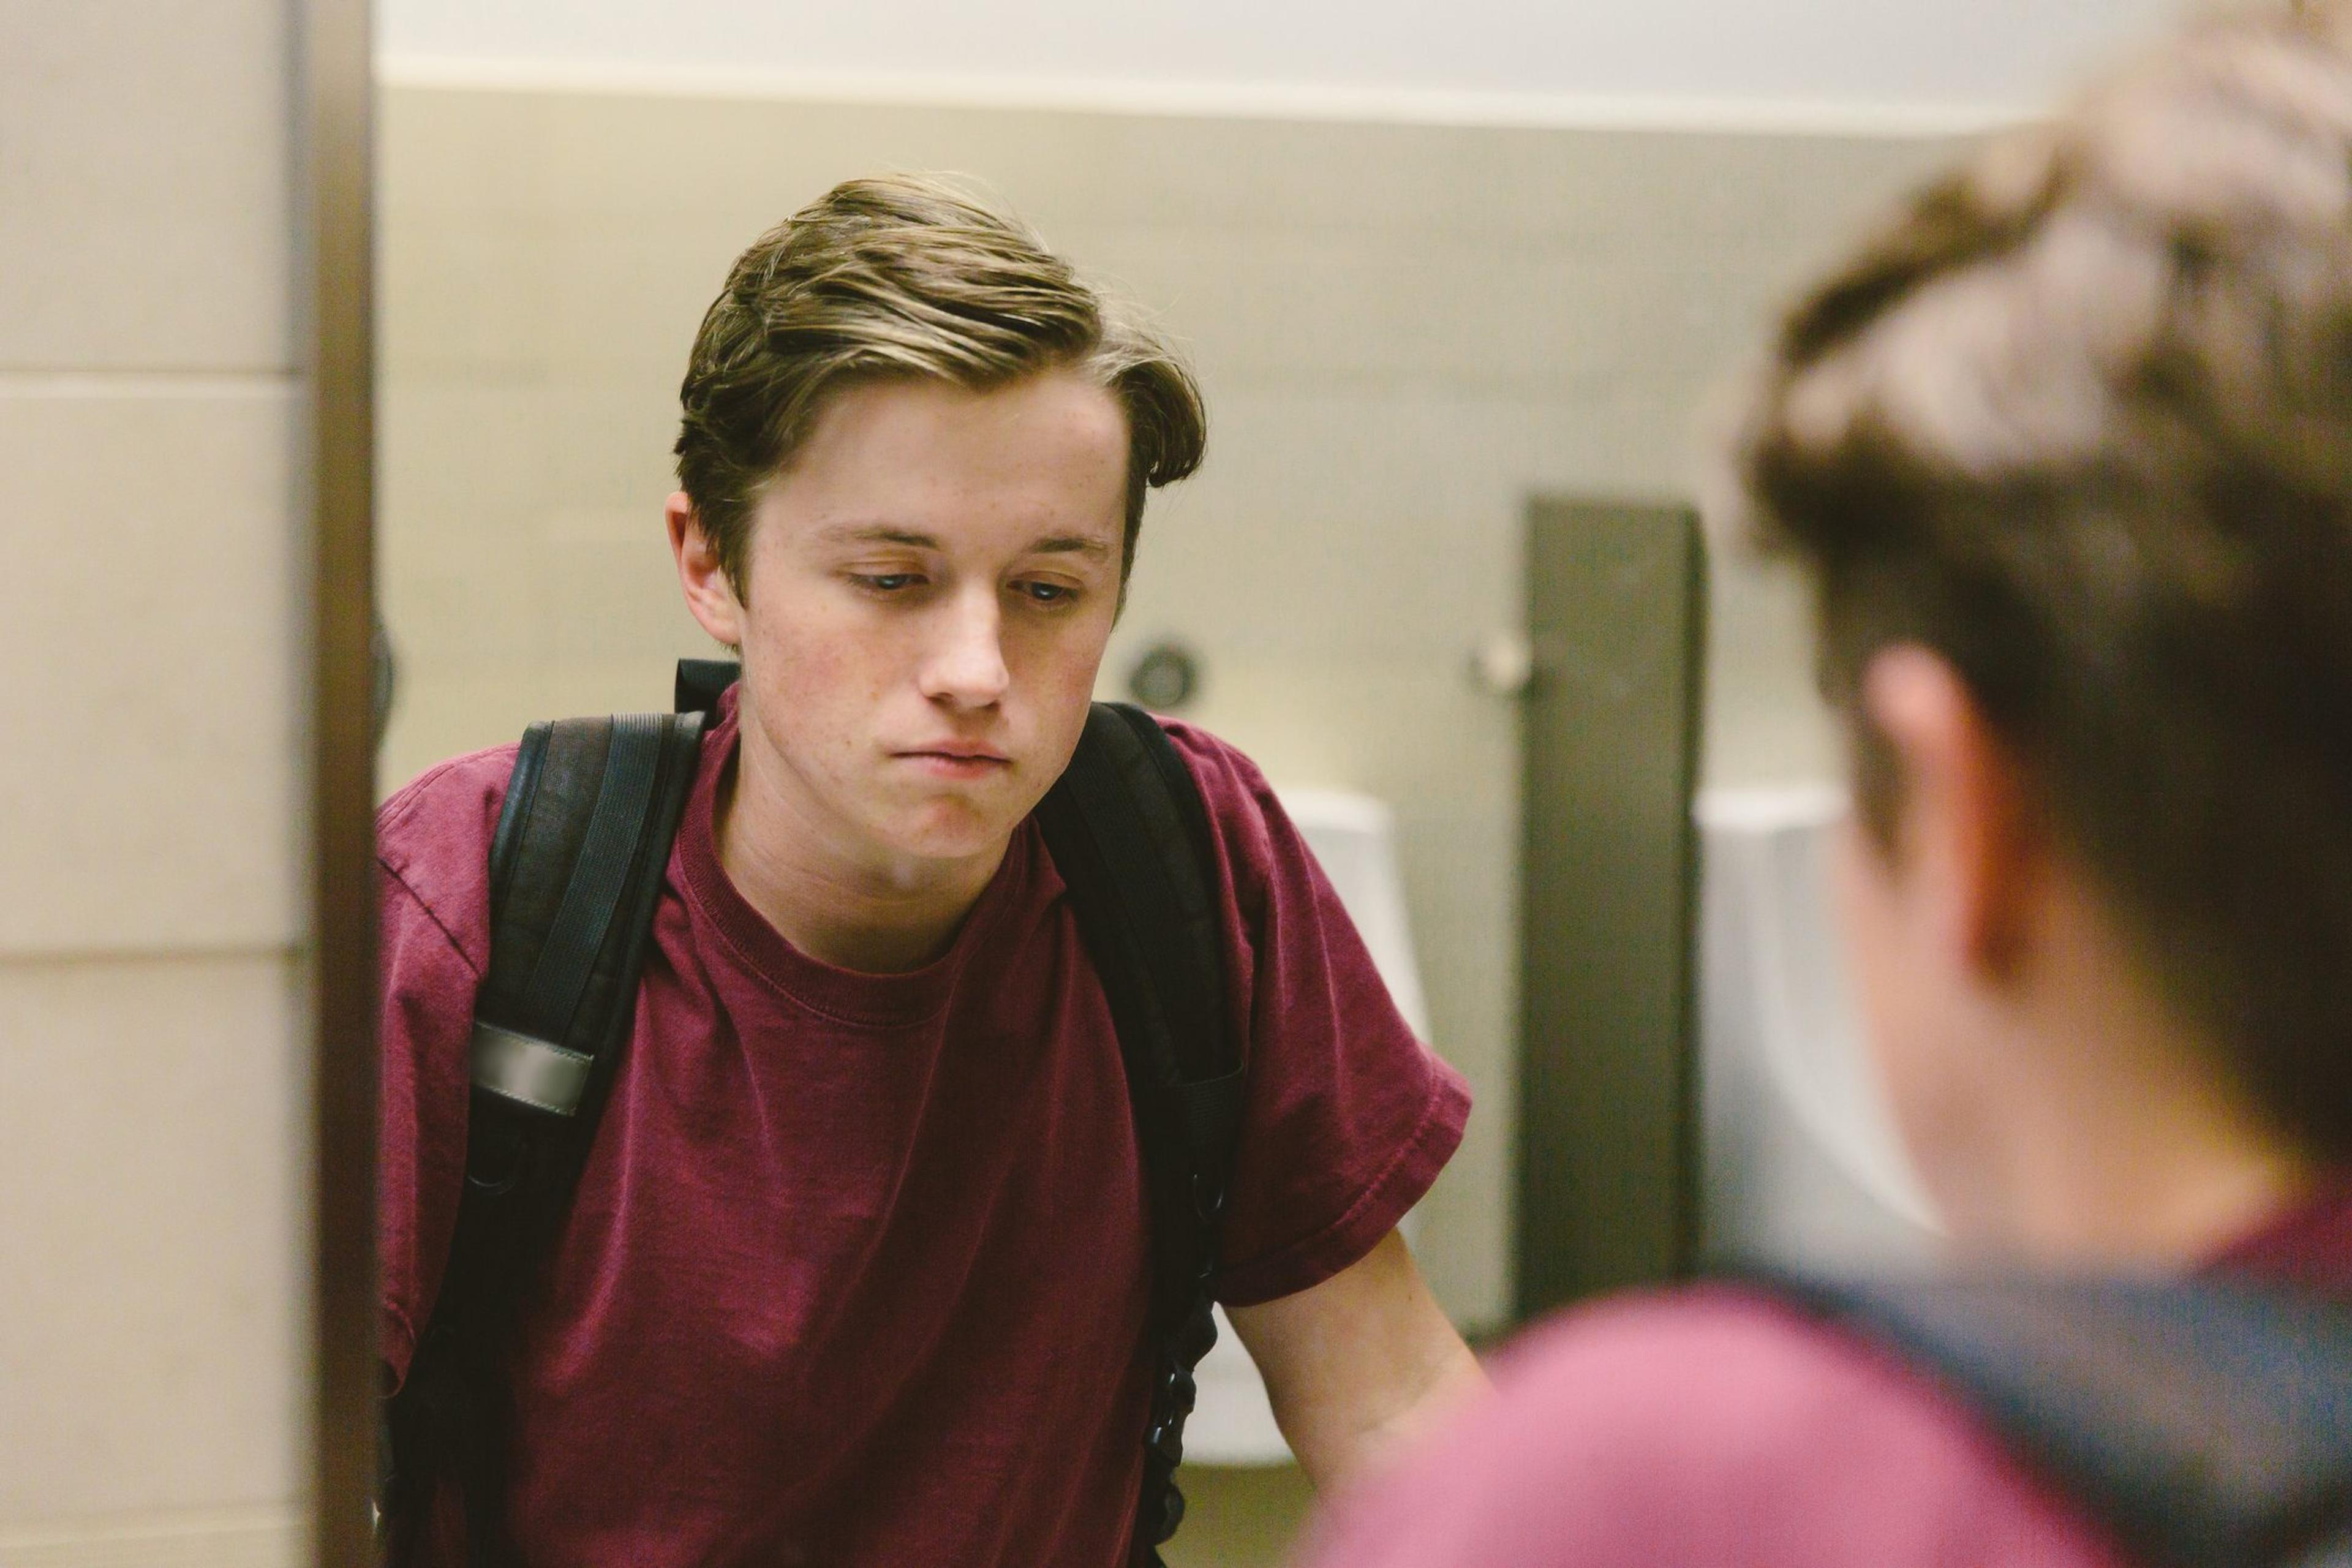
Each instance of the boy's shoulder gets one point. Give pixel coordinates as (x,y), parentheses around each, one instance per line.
(1234,790)
(1703,1374)
(1693,1427)
(433,836)
(1257,847)
(1217,763)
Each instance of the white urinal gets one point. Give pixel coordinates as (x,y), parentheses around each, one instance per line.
(1353,838)
(1800,1162)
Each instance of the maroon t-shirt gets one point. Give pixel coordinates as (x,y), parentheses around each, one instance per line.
(1714,1426)
(856,1273)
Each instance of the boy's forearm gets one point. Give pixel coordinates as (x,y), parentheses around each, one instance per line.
(1348,1451)
(1360,1364)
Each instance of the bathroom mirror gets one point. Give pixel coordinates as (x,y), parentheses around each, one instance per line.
(336,298)
(1404,332)
(1426,273)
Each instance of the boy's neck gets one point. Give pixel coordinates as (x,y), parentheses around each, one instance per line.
(856,913)
(2168,1188)
(2111,1134)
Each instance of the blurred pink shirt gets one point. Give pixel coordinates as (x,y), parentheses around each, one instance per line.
(1713,1425)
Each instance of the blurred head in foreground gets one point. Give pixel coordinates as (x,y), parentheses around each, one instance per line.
(2066,454)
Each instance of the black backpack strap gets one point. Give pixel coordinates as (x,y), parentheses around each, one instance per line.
(2205,1422)
(701,681)
(576,869)
(1130,838)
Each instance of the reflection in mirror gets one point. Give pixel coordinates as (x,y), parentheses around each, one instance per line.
(1409,315)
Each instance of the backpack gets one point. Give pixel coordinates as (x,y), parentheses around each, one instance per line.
(576,869)
(2205,1422)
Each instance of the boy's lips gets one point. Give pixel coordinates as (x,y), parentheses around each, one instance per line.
(956,760)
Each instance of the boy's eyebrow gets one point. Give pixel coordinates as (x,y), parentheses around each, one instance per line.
(883,533)
(876,533)
(1071,544)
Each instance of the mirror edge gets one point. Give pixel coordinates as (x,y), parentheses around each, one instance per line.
(332,105)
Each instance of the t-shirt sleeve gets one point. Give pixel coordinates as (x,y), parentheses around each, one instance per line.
(1349,1118)
(1709,1428)
(433,939)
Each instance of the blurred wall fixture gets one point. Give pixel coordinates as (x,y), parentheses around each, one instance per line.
(1801,1165)
(1166,678)
(1502,664)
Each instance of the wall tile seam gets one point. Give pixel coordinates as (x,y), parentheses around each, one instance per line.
(22,959)
(146,1528)
(48,383)
(1286,103)
(1576,393)
(1541,401)
(1595,232)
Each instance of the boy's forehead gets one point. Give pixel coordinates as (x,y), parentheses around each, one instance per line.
(1041,404)
(929,464)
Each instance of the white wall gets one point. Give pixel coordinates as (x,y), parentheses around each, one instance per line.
(153,1211)
(1928,55)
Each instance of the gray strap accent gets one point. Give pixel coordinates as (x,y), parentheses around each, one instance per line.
(2334,1552)
(531,1071)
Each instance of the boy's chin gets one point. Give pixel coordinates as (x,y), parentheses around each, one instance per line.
(948,837)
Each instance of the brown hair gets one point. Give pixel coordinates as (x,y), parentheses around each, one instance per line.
(2080,421)
(905,276)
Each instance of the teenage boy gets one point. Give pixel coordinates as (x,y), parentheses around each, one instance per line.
(856,1270)
(2066,454)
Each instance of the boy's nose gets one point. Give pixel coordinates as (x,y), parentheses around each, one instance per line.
(966,666)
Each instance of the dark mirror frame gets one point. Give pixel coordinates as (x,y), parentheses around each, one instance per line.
(333,71)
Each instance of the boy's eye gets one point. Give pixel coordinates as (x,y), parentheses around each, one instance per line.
(1048,593)
(885,581)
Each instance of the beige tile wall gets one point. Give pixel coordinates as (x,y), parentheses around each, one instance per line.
(153,1213)
(1403,333)
(150,623)
(151,1290)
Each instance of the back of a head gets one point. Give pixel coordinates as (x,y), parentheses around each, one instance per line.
(2080,421)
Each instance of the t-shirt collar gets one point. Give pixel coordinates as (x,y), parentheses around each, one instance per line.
(2308,1243)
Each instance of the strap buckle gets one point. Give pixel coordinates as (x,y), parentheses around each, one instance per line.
(528,1071)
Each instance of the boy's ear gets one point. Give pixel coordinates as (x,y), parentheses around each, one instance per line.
(1963,828)
(710,595)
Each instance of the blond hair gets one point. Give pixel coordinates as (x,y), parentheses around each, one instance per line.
(906,276)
